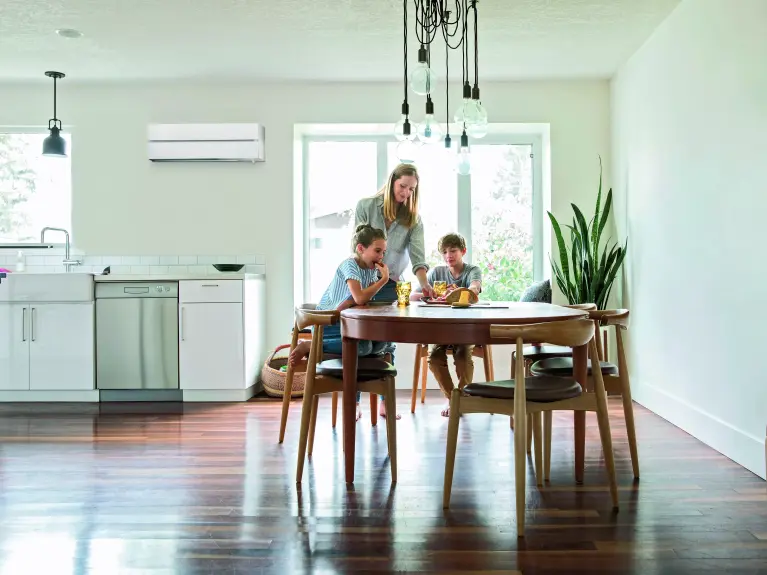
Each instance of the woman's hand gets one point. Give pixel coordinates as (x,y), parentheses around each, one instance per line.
(383,269)
(427,290)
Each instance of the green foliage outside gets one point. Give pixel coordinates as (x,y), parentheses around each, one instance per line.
(17,185)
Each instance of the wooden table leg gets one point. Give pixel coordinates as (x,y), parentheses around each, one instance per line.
(349,360)
(580,371)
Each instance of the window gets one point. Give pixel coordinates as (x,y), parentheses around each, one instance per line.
(35,191)
(497,208)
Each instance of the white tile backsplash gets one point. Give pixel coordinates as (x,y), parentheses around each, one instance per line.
(49,261)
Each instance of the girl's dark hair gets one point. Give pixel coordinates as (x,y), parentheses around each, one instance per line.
(366,234)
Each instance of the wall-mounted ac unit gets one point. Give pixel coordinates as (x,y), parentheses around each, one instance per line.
(206,143)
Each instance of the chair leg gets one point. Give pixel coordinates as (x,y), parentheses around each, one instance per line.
(537,433)
(334,408)
(547,428)
(513,371)
(391,426)
(313,423)
(628,414)
(288,389)
(285,408)
(604,424)
(488,359)
(628,405)
(452,444)
(373,409)
(424,372)
(529,434)
(520,435)
(416,373)
(303,437)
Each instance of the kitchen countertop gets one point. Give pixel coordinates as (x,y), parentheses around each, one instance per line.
(176,277)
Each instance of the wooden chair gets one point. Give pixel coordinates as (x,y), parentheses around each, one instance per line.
(374,376)
(616,377)
(534,396)
(306,334)
(485,352)
(541,350)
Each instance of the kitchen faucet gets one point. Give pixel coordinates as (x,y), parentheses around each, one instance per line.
(68,263)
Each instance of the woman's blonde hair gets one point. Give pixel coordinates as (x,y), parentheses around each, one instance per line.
(407,213)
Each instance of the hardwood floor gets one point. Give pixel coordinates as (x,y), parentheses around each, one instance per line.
(172,489)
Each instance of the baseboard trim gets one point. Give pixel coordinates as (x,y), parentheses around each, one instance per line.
(221,395)
(743,448)
(29,396)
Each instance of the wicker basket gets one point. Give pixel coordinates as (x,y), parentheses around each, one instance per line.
(274,379)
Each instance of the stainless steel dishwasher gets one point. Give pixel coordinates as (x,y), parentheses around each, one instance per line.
(137,339)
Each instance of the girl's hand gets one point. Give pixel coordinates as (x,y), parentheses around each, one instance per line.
(383,269)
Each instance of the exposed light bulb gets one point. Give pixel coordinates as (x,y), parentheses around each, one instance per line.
(429,131)
(463,159)
(423,79)
(404,130)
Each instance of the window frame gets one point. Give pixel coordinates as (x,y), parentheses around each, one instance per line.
(42,130)
(464,225)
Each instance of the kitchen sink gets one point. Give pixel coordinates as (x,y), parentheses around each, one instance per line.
(47,287)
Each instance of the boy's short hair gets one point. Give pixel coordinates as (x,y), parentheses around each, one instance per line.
(451,241)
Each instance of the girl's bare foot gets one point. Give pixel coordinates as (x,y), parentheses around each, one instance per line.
(446,412)
(382,411)
(300,352)
(359,413)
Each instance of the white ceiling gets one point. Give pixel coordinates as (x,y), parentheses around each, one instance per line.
(310,39)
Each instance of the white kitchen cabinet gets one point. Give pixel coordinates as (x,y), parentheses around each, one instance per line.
(61,351)
(46,346)
(221,338)
(14,347)
(211,346)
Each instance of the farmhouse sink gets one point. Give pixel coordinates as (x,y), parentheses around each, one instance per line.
(47,287)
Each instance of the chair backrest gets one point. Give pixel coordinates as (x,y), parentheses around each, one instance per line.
(306,318)
(571,332)
(617,317)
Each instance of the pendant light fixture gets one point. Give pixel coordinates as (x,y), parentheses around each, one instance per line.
(54,145)
(449,19)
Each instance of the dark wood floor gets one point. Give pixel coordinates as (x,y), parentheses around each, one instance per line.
(115,489)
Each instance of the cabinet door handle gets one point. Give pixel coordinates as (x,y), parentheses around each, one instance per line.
(33,323)
(209,285)
(182,323)
(23,324)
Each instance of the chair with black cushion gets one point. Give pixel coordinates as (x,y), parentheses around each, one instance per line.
(616,377)
(538,351)
(523,396)
(306,334)
(374,375)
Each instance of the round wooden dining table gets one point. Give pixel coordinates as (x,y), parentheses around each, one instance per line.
(442,324)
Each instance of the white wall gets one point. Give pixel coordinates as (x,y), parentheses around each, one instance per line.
(689,117)
(123,204)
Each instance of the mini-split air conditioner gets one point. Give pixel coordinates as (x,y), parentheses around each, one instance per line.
(206,143)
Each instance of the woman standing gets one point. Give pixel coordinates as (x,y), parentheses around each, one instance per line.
(394,209)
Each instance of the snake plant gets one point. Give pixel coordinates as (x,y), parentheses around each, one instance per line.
(586,273)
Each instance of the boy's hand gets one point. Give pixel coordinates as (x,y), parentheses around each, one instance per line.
(383,269)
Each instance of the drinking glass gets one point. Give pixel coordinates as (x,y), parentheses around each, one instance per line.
(403,293)
(440,288)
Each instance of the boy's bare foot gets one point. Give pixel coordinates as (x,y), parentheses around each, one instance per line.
(300,352)
(446,412)
(382,411)
(359,413)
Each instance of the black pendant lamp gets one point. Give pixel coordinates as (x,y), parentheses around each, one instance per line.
(54,145)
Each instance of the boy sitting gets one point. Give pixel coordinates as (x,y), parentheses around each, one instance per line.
(456,273)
